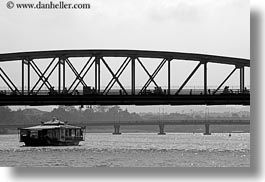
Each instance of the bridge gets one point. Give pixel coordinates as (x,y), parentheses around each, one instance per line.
(160,124)
(25,90)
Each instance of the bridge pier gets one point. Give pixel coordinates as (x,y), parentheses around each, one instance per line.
(116,129)
(207,129)
(161,129)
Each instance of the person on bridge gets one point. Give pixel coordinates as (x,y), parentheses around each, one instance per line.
(190,91)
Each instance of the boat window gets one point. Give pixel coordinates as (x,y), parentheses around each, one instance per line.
(49,133)
(23,132)
(34,134)
(62,133)
(78,132)
(73,133)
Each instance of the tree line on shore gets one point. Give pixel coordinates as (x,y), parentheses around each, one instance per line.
(73,114)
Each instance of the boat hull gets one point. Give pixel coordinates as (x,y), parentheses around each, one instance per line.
(49,142)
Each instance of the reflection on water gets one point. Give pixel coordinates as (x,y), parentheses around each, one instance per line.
(134,150)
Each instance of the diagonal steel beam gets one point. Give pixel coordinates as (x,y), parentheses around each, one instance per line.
(47,78)
(114,75)
(155,72)
(117,74)
(42,76)
(6,83)
(82,77)
(78,75)
(37,70)
(1,70)
(151,77)
(75,72)
(186,81)
(225,80)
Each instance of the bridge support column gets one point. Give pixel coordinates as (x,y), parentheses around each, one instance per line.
(205,78)
(97,74)
(63,62)
(242,81)
(116,129)
(25,62)
(207,129)
(59,75)
(133,75)
(168,77)
(22,77)
(161,129)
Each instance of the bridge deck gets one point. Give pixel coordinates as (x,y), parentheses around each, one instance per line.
(183,122)
(240,99)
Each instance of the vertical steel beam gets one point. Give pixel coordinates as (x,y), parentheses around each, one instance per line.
(133,75)
(63,73)
(59,75)
(28,77)
(168,76)
(205,78)
(96,73)
(22,77)
(242,79)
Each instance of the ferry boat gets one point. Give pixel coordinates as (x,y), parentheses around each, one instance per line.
(52,133)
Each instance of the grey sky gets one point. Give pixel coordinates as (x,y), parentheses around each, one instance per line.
(218,27)
(213,27)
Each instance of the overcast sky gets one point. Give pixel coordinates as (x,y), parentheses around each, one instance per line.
(218,27)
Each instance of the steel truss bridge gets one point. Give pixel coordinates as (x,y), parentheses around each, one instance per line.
(43,92)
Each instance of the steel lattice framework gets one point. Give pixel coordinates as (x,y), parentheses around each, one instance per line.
(70,95)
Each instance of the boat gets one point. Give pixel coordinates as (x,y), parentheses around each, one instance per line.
(52,133)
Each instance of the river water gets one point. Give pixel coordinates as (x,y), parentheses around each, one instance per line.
(133,150)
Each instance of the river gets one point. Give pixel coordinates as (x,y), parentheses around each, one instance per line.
(133,150)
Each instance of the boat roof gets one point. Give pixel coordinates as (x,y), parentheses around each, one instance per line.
(42,127)
(52,124)
(54,121)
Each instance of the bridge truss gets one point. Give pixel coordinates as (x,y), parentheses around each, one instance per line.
(44,92)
